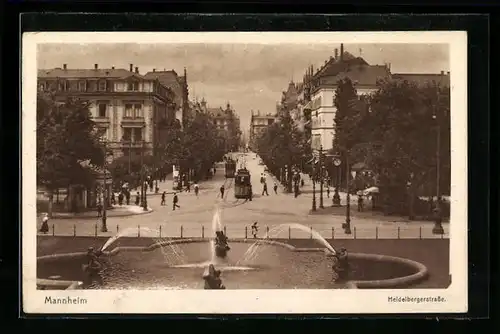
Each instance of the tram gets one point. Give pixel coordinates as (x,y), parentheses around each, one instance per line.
(230,168)
(242,184)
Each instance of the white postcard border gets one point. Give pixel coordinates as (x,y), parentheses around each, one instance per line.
(251,301)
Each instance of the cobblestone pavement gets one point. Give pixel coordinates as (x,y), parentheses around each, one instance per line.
(277,213)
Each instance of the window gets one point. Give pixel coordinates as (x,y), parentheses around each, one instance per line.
(137,134)
(102,85)
(127,134)
(82,86)
(270,121)
(138,110)
(62,86)
(102,110)
(129,110)
(133,86)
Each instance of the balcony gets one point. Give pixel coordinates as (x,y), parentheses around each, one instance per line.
(133,121)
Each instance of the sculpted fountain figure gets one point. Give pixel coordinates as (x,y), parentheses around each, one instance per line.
(212,278)
(93,268)
(221,245)
(340,265)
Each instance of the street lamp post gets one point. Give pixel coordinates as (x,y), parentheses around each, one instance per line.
(143,188)
(336,197)
(438,227)
(321,177)
(314,187)
(347,224)
(104,227)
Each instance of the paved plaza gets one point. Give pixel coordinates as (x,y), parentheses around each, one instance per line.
(275,213)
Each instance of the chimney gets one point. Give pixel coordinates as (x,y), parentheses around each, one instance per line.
(154,69)
(336,54)
(65,66)
(131,67)
(112,67)
(96,66)
(448,73)
(341,51)
(442,72)
(136,69)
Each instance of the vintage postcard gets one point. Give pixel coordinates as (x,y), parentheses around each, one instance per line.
(314,172)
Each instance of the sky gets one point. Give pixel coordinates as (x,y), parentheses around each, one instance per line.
(248,76)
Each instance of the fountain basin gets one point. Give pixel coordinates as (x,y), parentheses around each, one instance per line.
(276,265)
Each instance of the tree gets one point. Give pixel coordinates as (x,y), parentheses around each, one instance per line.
(396,138)
(282,144)
(66,140)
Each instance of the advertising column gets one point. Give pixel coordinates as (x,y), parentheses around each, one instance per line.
(175,177)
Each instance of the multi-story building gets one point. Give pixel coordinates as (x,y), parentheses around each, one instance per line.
(179,86)
(131,111)
(319,89)
(128,107)
(324,84)
(258,124)
(227,122)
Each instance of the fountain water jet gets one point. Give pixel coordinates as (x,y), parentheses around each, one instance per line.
(254,250)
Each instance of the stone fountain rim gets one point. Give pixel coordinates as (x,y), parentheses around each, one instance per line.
(420,274)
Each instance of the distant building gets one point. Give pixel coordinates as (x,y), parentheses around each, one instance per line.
(258,124)
(129,108)
(227,122)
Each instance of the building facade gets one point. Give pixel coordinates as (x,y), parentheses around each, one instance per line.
(258,124)
(227,122)
(128,107)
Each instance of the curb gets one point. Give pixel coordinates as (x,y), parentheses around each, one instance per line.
(124,214)
(420,274)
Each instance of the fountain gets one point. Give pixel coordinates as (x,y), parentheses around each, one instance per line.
(181,263)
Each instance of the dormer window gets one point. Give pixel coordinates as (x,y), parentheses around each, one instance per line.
(102,85)
(133,86)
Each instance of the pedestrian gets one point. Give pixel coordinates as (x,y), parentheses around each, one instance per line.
(196,189)
(264,189)
(188,186)
(163,195)
(360,202)
(137,198)
(262,180)
(127,196)
(296,190)
(275,188)
(255,229)
(328,191)
(222,191)
(113,199)
(99,210)
(251,192)
(45,224)
(175,202)
(120,198)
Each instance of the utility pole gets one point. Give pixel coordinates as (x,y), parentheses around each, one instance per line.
(314,187)
(143,187)
(321,177)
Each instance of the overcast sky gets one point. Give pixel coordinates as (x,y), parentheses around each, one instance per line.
(249,76)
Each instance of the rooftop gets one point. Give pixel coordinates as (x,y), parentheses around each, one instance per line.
(112,73)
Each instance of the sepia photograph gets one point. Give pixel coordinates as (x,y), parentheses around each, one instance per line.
(285,169)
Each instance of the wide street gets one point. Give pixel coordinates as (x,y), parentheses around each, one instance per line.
(194,218)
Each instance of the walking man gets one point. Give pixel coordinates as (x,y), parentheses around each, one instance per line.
(196,189)
(264,189)
(175,202)
(137,198)
(328,191)
(360,202)
(275,188)
(163,195)
(222,191)
(255,229)
(45,224)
